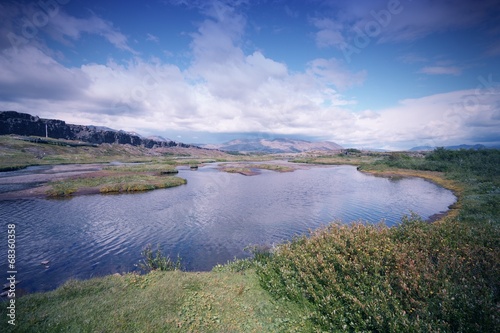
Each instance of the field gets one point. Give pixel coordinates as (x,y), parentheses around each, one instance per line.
(415,277)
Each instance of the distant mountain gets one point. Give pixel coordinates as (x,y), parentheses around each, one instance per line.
(457,147)
(12,122)
(275,146)
(158,138)
(422,148)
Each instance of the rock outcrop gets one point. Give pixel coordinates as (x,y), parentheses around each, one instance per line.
(12,122)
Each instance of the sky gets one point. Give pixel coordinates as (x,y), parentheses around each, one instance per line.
(390,74)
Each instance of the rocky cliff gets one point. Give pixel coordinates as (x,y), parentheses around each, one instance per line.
(12,122)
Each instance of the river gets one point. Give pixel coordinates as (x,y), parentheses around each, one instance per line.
(206,222)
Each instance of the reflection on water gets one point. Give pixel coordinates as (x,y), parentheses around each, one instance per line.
(208,221)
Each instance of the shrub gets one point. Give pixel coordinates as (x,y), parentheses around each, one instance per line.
(157,261)
(416,277)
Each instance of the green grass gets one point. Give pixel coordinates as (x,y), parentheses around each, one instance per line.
(246,169)
(341,159)
(241,170)
(158,302)
(274,167)
(110,183)
(158,168)
(16,153)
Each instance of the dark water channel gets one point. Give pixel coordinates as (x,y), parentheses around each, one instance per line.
(208,221)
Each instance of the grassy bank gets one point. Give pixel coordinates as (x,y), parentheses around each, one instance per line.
(15,153)
(252,169)
(157,302)
(416,277)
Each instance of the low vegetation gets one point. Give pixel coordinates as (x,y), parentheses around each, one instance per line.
(274,167)
(156,260)
(252,169)
(241,170)
(118,179)
(16,153)
(415,277)
(350,157)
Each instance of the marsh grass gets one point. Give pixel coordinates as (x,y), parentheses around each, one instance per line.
(340,159)
(240,170)
(110,183)
(156,260)
(274,167)
(159,168)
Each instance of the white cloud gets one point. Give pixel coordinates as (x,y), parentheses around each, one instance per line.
(398,20)
(441,119)
(441,70)
(30,73)
(329,33)
(63,26)
(332,71)
(152,38)
(412,58)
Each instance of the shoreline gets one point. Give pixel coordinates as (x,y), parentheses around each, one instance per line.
(71,180)
(432,176)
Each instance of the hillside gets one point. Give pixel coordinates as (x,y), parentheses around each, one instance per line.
(275,146)
(12,122)
(457,147)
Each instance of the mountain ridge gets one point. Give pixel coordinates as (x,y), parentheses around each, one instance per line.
(13,122)
(275,146)
(454,147)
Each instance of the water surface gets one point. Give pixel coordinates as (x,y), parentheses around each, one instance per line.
(206,222)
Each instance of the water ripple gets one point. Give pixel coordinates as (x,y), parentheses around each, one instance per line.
(209,221)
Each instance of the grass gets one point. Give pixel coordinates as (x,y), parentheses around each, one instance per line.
(341,159)
(160,301)
(158,168)
(155,260)
(109,183)
(240,170)
(15,154)
(249,169)
(274,167)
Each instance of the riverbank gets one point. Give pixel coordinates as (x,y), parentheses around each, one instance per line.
(437,178)
(83,179)
(254,169)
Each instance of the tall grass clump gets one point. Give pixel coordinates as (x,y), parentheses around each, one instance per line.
(157,261)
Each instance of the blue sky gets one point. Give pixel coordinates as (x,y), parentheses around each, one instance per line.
(381,73)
